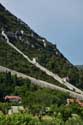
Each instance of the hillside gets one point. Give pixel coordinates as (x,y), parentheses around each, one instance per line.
(34,70)
(79,67)
(34,46)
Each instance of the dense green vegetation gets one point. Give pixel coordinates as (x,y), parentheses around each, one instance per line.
(11,85)
(26,119)
(42,106)
(11,59)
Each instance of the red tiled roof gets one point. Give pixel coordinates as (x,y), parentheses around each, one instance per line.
(13,97)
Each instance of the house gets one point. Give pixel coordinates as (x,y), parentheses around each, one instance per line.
(70,101)
(13,98)
(16,109)
(77,101)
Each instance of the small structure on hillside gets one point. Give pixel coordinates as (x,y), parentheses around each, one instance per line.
(34,60)
(70,101)
(44,43)
(17,99)
(66,79)
(76,101)
(16,109)
(22,32)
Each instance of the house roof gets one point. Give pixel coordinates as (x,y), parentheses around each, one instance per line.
(13,97)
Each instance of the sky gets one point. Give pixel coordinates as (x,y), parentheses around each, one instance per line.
(60,21)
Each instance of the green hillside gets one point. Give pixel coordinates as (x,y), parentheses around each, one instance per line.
(33,45)
(42,106)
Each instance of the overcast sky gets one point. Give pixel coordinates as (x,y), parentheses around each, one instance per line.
(60,21)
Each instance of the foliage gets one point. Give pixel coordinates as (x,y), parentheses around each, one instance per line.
(43,106)
(26,119)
